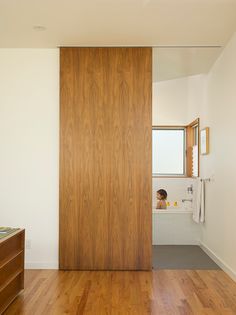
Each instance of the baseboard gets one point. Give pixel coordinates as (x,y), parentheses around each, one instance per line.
(195,242)
(41,265)
(230,272)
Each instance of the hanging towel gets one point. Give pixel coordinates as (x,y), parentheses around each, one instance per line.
(199,202)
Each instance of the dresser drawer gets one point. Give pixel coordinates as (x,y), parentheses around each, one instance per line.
(10,292)
(11,268)
(11,247)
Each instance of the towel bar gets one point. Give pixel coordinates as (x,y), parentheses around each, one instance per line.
(205,179)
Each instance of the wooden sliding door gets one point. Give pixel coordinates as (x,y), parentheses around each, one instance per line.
(105,158)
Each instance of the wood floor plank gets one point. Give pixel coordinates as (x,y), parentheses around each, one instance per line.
(160,292)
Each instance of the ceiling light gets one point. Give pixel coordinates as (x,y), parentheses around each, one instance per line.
(39,28)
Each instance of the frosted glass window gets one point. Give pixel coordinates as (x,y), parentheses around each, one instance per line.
(168,151)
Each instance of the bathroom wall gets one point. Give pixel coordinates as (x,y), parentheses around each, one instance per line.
(170,102)
(217,110)
(179,101)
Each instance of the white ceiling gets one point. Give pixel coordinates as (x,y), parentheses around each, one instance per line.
(123,23)
(116,22)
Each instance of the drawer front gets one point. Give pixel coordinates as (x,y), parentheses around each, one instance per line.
(13,267)
(11,246)
(8,294)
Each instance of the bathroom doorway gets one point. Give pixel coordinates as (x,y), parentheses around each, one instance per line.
(178,100)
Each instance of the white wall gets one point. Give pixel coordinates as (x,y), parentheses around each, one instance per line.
(197,102)
(219,232)
(170,102)
(29,149)
(179,101)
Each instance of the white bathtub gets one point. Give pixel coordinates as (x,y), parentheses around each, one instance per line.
(174,226)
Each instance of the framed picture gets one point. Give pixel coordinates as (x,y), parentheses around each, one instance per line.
(204,144)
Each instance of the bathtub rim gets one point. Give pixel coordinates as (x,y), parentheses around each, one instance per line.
(175,211)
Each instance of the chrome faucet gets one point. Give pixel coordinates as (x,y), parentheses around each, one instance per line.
(190,189)
(190,200)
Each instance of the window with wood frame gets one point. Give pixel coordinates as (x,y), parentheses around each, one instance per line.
(192,149)
(175,151)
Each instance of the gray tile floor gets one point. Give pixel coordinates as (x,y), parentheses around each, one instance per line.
(181,257)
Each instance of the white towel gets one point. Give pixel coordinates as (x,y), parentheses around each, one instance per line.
(199,202)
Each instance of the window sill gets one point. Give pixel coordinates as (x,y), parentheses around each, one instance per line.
(159,176)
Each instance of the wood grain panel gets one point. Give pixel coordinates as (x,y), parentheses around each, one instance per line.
(105,158)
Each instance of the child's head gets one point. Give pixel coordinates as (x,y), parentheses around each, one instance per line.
(161,194)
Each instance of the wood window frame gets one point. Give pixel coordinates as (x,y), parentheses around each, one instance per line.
(189,146)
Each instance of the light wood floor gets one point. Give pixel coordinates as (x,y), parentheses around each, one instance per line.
(161,292)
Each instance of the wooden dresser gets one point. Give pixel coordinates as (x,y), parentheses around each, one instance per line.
(11,267)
